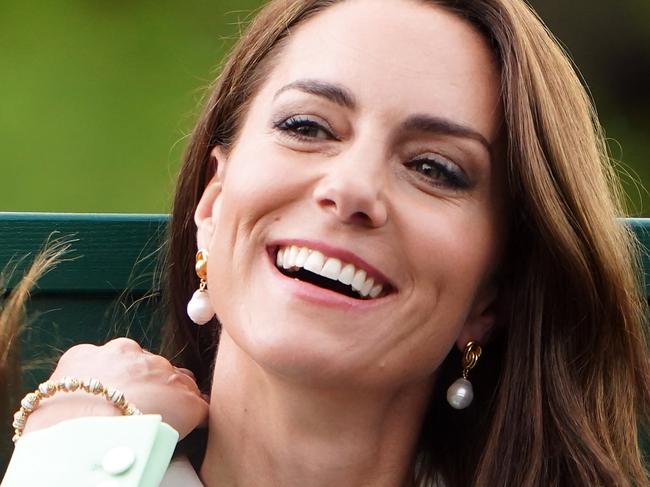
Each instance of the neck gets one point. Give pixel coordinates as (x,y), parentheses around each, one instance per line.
(265,430)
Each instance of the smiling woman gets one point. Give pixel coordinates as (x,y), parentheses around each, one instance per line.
(369,175)
(391,199)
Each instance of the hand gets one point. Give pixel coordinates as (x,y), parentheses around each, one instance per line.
(150,382)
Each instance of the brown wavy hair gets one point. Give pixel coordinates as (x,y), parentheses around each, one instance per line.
(13,321)
(565,382)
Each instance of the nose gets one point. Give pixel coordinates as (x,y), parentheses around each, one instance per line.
(354,192)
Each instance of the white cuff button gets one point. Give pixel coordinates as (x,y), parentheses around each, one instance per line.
(118,460)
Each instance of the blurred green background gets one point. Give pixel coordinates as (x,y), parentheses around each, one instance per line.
(97,97)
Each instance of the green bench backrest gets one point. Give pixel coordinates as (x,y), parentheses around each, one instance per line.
(100,294)
(96,295)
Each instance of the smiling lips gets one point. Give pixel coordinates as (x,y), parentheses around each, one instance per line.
(293,260)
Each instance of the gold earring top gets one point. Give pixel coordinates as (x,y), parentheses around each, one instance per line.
(201,266)
(471,355)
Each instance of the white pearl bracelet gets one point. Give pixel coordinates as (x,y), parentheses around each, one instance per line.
(68,384)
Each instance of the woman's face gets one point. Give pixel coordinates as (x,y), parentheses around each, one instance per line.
(372,146)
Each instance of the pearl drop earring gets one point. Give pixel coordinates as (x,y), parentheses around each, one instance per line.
(199,308)
(460,393)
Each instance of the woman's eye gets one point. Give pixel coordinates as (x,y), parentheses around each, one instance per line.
(304,128)
(439,172)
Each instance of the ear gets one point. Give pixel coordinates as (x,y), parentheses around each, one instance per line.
(481,318)
(206,209)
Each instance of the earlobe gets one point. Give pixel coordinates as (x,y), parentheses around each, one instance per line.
(481,319)
(206,209)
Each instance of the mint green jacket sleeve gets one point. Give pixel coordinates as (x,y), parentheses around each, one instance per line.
(121,451)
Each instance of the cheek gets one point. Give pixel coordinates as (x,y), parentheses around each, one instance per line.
(452,254)
(449,251)
(259,179)
(256,190)
(452,246)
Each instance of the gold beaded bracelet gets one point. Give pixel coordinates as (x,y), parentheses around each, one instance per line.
(68,384)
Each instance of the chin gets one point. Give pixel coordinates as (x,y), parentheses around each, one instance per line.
(298,353)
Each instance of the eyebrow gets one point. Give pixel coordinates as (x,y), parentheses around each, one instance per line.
(332,92)
(439,125)
(415,123)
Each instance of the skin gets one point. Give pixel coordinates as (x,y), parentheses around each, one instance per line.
(149,381)
(310,388)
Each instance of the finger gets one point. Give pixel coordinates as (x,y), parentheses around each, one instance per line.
(204,422)
(204,414)
(124,344)
(158,362)
(184,380)
(80,348)
(191,414)
(186,372)
(76,353)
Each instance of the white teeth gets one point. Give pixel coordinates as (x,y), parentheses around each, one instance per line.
(367,286)
(376,291)
(302,257)
(293,258)
(331,269)
(315,262)
(359,280)
(347,274)
(293,255)
(286,262)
